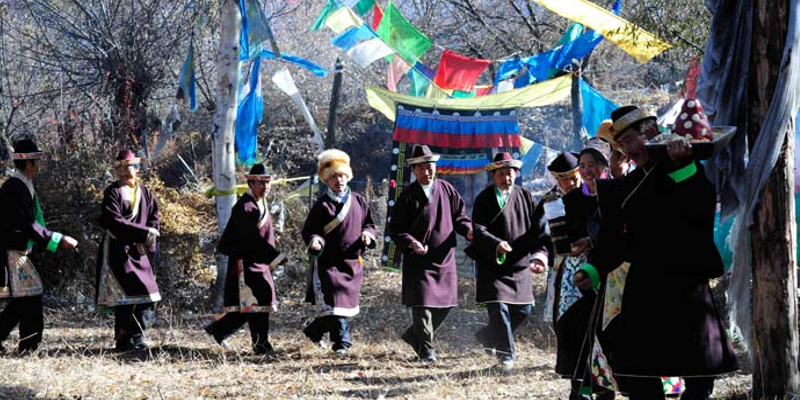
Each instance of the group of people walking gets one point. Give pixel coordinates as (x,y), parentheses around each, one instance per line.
(629,253)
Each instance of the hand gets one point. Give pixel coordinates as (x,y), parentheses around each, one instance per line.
(365,238)
(537,267)
(679,151)
(68,242)
(418,248)
(503,247)
(582,281)
(316,244)
(469,236)
(581,246)
(151,236)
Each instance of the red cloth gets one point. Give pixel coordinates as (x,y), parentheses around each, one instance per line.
(459,72)
(377,16)
(690,89)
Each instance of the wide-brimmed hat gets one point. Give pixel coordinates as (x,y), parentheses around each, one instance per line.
(422,154)
(126,158)
(331,162)
(258,172)
(626,116)
(503,160)
(599,147)
(26,149)
(565,165)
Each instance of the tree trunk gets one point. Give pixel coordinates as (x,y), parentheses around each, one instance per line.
(577,107)
(222,133)
(330,138)
(773,237)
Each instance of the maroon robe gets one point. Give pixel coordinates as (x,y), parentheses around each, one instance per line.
(249,243)
(430,280)
(339,266)
(18,226)
(124,265)
(511,281)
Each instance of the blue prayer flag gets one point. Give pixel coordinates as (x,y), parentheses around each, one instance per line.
(187,82)
(249,114)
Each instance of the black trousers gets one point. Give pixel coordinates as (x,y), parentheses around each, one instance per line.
(130,323)
(338,328)
(425,321)
(504,319)
(27,312)
(226,326)
(652,388)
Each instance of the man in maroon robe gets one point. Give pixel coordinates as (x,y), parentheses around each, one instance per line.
(505,233)
(21,227)
(249,243)
(125,278)
(338,230)
(426,218)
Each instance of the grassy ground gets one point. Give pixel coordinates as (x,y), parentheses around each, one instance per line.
(76,362)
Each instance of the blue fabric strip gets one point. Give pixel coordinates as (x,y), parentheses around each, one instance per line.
(596,108)
(353,36)
(314,68)
(466,126)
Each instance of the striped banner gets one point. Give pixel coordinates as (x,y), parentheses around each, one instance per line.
(451,129)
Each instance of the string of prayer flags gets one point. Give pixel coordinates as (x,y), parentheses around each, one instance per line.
(283,80)
(330,7)
(401,35)
(637,42)
(342,19)
(187,82)
(337,9)
(353,36)
(248,116)
(397,69)
(459,72)
(302,62)
(255,30)
(367,52)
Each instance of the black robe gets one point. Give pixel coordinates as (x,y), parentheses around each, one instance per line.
(249,243)
(339,267)
(511,281)
(124,264)
(430,280)
(669,324)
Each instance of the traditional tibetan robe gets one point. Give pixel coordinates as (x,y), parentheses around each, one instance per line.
(249,243)
(430,280)
(125,271)
(509,281)
(21,226)
(336,276)
(666,322)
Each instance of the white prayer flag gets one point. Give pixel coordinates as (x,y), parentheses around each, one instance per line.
(366,53)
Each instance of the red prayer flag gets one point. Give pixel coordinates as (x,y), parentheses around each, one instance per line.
(459,72)
(690,88)
(377,16)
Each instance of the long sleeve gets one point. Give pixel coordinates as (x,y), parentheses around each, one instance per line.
(462,224)
(112,218)
(403,216)
(483,213)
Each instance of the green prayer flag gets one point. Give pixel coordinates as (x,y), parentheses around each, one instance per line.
(363,7)
(330,7)
(419,83)
(459,94)
(574,31)
(401,35)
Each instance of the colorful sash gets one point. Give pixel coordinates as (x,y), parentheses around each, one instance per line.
(330,226)
(615,286)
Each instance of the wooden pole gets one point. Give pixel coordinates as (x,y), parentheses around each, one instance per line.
(773,238)
(577,106)
(330,139)
(222,133)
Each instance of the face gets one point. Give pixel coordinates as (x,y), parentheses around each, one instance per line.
(619,164)
(504,178)
(568,184)
(128,174)
(424,172)
(337,182)
(633,143)
(259,188)
(590,168)
(32,167)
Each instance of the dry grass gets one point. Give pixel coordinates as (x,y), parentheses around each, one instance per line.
(75,361)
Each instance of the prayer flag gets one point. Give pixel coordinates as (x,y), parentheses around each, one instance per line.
(401,35)
(377,16)
(573,32)
(459,72)
(255,30)
(248,116)
(342,19)
(283,80)
(330,6)
(314,68)
(637,42)
(419,82)
(187,83)
(361,7)
(366,53)
(596,108)
(353,36)
(397,69)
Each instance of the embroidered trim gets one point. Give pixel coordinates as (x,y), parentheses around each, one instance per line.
(330,226)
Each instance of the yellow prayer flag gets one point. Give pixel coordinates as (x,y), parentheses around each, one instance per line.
(637,42)
(343,19)
(525,145)
(436,93)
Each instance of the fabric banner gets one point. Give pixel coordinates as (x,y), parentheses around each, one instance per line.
(419,82)
(401,35)
(187,82)
(459,72)
(461,165)
(283,80)
(255,30)
(637,42)
(540,94)
(397,69)
(366,53)
(531,156)
(596,108)
(328,9)
(302,62)
(248,116)
(342,19)
(377,16)
(457,129)
(361,7)
(349,38)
